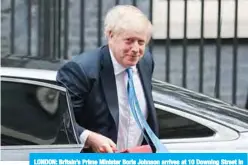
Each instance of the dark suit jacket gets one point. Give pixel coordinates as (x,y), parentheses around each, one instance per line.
(90,81)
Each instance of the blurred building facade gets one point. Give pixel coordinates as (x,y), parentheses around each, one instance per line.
(198,44)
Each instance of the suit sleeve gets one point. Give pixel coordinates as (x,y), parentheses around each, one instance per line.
(73,78)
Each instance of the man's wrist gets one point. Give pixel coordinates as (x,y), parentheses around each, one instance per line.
(83,137)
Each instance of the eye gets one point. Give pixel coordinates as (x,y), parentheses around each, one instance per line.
(141,42)
(128,40)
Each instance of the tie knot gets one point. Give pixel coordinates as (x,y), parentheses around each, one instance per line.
(129,72)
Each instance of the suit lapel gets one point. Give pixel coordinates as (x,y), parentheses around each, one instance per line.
(146,82)
(108,84)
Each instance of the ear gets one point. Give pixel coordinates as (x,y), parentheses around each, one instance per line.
(110,34)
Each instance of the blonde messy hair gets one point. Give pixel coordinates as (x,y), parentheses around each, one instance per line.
(126,17)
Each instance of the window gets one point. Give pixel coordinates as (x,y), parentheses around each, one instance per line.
(172,126)
(34,115)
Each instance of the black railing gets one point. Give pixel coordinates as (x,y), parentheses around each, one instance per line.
(82,25)
(235,54)
(99,23)
(53,38)
(12,26)
(218,52)
(167,73)
(201,51)
(29,26)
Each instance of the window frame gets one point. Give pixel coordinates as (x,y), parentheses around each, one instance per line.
(48,85)
(222,133)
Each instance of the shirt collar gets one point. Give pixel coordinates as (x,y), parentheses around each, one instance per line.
(118,68)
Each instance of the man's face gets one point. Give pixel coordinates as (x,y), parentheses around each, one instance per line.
(128,47)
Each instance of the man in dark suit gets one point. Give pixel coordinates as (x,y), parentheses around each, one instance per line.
(97,83)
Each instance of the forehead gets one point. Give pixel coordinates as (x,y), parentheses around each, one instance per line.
(141,35)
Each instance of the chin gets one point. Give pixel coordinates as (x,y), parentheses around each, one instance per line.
(131,64)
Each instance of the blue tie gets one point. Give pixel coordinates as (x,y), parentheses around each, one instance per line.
(139,117)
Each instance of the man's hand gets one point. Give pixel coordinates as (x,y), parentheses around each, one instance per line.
(100,143)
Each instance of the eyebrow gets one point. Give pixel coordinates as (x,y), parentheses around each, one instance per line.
(134,38)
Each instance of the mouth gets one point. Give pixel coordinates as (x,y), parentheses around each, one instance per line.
(134,56)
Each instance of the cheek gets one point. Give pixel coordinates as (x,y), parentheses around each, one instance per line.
(125,51)
(126,47)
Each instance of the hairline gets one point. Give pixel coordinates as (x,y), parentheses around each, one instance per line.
(111,26)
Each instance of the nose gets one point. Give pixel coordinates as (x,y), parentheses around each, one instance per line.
(135,47)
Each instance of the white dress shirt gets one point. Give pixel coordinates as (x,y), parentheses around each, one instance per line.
(129,133)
